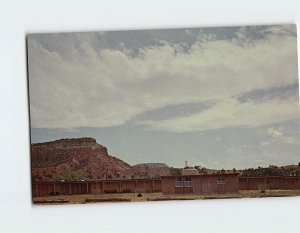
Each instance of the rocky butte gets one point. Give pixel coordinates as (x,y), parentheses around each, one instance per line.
(84,159)
(74,159)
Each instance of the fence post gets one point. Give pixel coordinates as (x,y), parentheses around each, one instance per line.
(37,189)
(152,186)
(70,189)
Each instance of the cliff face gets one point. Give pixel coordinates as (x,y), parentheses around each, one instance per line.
(80,158)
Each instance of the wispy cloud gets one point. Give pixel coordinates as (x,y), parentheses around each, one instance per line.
(230,113)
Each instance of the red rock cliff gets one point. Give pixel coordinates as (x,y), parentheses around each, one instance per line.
(80,158)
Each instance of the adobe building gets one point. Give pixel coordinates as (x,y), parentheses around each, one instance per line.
(269,183)
(201,184)
(54,188)
(185,184)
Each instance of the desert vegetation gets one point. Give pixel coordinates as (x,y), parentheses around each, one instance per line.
(272,170)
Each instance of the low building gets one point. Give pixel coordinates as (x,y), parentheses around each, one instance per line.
(54,188)
(200,184)
(269,183)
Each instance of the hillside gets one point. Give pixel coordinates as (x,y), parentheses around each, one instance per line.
(145,170)
(75,159)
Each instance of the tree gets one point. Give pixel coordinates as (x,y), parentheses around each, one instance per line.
(175,171)
(203,170)
(141,175)
(71,176)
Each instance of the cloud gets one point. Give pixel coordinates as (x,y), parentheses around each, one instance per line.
(264,143)
(277,134)
(234,153)
(218,139)
(82,85)
(230,113)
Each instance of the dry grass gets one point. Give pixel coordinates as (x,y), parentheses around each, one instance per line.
(269,193)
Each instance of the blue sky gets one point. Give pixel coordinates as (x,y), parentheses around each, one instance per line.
(216,97)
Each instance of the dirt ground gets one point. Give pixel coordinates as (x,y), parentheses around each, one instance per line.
(269,193)
(134,197)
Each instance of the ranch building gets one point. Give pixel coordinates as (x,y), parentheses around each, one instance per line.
(201,184)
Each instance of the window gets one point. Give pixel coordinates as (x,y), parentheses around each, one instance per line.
(184,181)
(188,181)
(179,182)
(221,180)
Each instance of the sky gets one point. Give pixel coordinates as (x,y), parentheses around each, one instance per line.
(215,97)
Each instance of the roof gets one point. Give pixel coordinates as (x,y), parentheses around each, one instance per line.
(92,181)
(263,177)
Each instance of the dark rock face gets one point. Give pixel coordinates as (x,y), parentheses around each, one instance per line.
(80,158)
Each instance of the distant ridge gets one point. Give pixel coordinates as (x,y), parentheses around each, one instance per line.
(151,165)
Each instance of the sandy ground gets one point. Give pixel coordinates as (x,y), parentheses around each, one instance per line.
(133,197)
